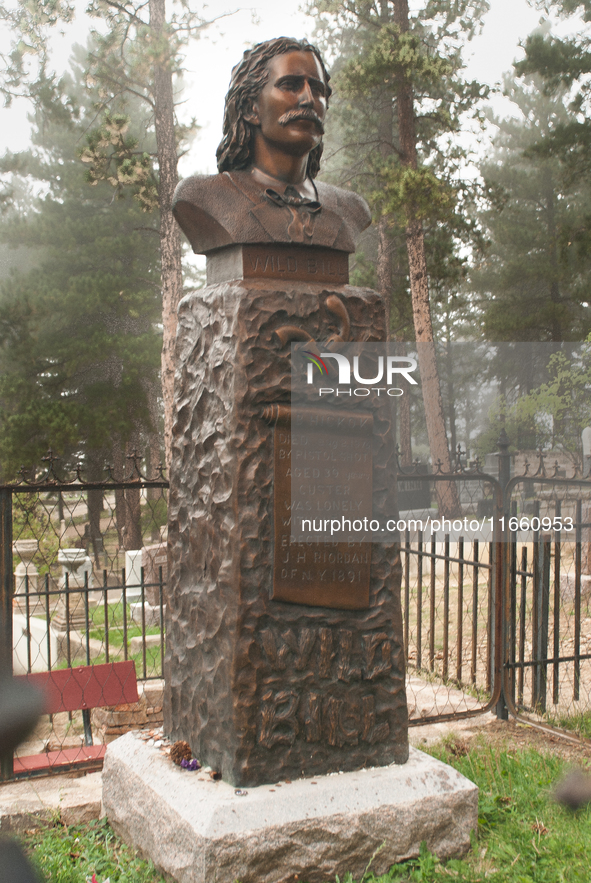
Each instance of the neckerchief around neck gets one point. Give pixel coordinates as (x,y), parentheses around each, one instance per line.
(303,211)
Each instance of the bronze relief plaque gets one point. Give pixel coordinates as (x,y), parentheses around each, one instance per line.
(329,454)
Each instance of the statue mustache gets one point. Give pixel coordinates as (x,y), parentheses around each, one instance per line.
(304,113)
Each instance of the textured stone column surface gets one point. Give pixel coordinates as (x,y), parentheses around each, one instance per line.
(264,689)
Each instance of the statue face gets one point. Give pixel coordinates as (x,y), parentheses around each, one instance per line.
(290,110)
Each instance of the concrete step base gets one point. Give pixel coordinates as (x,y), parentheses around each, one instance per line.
(198,830)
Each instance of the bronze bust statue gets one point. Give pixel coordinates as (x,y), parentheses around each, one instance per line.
(268,159)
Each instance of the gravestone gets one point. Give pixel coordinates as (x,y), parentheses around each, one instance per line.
(269,676)
(154,560)
(282,659)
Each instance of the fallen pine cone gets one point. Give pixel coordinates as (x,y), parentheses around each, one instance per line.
(180,751)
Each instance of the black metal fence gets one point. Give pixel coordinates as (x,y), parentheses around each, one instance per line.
(499,618)
(82,579)
(547,609)
(496,598)
(451,593)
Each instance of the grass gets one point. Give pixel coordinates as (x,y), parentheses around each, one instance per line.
(578,722)
(74,854)
(523,836)
(97,632)
(153,661)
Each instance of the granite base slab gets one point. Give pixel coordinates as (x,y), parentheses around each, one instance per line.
(196,830)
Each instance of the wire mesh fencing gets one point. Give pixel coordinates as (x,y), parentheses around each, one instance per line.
(496,593)
(451,594)
(548,601)
(83,583)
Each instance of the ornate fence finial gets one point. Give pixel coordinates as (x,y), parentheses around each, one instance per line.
(50,458)
(541,465)
(135,469)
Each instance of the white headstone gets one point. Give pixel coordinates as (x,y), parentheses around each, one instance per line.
(133,575)
(26,574)
(72,561)
(586,437)
(34,632)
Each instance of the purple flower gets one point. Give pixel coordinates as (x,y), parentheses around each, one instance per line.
(190,764)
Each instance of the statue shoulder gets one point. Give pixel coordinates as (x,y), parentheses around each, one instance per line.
(199,189)
(351,207)
(345,202)
(202,205)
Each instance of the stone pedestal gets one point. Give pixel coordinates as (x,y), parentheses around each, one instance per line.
(72,617)
(197,830)
(26,580)
(26,574)
(262,688)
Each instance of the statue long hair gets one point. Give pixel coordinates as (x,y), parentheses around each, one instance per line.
(248,78)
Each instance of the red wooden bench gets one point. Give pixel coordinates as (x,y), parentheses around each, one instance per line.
(74,689)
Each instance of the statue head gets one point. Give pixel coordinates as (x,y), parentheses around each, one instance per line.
(235,151)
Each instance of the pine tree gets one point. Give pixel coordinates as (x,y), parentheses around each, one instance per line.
(138,57)
(533,282)
(79,341)
(399,74)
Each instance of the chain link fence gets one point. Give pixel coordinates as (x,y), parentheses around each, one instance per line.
(83,583)
(548,601)
(451,594)
(496,598)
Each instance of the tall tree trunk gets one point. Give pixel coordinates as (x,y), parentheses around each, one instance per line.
(95,505)
(133,527)
(556,329)
(419,287)
(127,502)
(119,472)
(404,419)
(170,242)
(386,148)
(153,459)
(384,269)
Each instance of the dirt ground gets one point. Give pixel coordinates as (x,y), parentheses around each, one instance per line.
(512,736)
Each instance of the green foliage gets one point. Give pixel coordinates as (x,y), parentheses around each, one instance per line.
(79,343)
(112,156)
(564,64)
(533,278)
(392,55)
(521,433)
(373,62)
(122,68)
(73,854)
(565,398)
(523,836)
(410,194)
(551,413)
(25,65)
